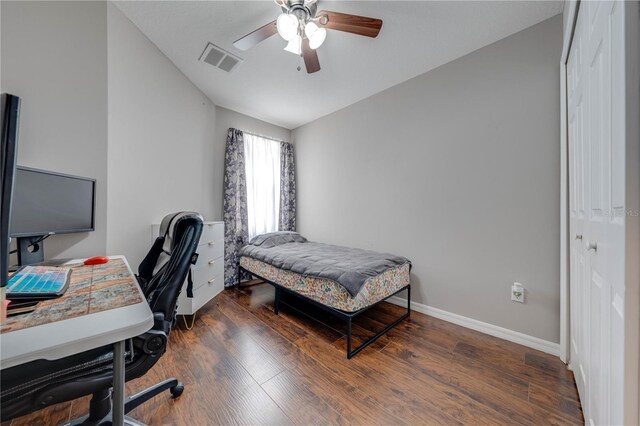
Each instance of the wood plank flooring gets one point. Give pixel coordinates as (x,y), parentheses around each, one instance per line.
(241,364)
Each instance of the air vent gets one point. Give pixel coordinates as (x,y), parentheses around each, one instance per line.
(220,58)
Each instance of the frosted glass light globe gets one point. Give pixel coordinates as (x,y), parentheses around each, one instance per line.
(317,38)
(294,45)
(287,26)
(310,28)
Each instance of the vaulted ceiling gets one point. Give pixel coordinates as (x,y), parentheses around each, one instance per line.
(417,36)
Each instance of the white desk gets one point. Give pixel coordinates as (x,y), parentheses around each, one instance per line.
(66,337)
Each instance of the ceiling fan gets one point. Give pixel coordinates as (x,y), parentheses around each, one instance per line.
(305,29)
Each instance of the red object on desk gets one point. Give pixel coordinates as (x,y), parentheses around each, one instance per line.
(97,260)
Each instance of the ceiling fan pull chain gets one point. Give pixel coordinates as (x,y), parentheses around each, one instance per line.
(300,56)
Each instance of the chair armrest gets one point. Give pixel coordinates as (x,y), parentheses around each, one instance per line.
(160,324)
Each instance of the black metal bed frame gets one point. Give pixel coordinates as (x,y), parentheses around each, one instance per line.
(348,316)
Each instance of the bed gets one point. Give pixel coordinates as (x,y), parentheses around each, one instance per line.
(343,281)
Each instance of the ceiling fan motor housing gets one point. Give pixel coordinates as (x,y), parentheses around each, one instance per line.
(301,9)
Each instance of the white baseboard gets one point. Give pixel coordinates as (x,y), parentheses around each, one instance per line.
(483,327)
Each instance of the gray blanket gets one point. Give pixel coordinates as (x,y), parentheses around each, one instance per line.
(349,267)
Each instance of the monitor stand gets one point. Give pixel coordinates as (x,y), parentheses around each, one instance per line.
(30,250)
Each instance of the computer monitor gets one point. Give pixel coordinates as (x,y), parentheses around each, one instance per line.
(47,203)
(10,118)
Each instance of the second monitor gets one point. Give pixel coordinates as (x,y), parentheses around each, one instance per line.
(47,203)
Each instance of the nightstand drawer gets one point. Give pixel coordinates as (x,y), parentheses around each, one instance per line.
(212,232)
(206,271)
(209,251)
(201,295)
(207,292)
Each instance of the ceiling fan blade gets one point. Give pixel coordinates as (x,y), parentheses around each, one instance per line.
(310,57)
(361,25)
(256,36)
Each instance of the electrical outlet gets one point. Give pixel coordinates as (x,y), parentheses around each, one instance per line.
(517,293)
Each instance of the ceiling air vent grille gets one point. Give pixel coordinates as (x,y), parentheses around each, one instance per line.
(220,58)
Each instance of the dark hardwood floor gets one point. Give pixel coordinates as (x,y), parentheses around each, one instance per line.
(241,364)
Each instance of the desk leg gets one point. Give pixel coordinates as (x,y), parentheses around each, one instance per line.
(118,384)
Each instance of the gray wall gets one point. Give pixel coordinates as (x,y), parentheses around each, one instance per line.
(161,138)
(225,119)
(54,56)
(458,170)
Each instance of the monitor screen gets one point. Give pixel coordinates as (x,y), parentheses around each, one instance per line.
(9,120)
(51,203)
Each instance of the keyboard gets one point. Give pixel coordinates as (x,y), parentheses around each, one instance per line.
(38,283)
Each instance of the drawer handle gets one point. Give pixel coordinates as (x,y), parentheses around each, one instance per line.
(211,280)
(211,262)
(211,243)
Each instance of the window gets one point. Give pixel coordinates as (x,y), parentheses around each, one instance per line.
(262,164)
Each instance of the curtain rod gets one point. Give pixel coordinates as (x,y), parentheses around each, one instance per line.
(265,137)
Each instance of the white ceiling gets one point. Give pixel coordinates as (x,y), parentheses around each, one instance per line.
(417,36)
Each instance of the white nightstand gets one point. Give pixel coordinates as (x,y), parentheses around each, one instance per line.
(208,272)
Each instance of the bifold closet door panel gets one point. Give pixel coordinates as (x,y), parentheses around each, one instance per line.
(595,102)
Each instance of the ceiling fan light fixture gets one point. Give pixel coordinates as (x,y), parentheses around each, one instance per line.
(295,45)
(317,38)
(287,26)
(300,21)
(310,28)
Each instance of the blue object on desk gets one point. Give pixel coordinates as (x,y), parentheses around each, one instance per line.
(38,282)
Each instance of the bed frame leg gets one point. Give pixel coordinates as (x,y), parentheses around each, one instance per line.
(349,354)
(276,304)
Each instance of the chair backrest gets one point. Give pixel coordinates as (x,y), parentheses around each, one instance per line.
(165,268)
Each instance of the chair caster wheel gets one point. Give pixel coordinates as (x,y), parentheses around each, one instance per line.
(177,390)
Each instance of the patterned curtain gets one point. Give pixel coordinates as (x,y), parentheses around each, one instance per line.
(287,188)
(235,206)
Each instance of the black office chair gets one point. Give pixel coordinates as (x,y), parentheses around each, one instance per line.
(39,384)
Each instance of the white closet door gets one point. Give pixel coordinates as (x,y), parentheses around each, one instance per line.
(595,89)
(577,202)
